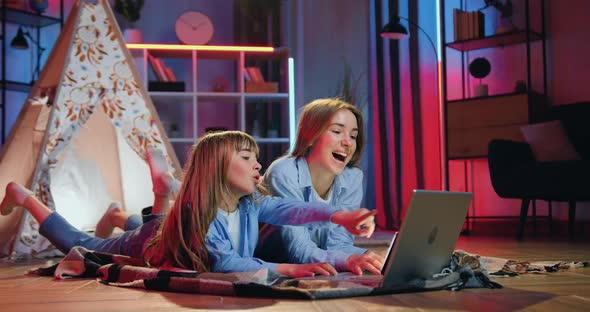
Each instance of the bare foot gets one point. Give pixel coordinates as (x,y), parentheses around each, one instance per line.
(16,195)
(163,181)
(113,217)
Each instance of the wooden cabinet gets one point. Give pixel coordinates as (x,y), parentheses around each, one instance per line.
(215,94)
(473,123)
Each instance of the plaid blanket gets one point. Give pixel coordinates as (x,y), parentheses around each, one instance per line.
(465,270)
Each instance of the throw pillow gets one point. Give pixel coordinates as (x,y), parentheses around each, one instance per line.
(549,141)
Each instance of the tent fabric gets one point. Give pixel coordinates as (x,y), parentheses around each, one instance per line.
(98,77)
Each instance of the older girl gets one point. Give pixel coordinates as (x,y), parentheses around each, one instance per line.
(323,169)
(213,225)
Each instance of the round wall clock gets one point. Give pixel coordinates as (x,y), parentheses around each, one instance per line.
(194,28)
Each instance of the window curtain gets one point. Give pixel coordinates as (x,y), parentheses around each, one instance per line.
(403,120)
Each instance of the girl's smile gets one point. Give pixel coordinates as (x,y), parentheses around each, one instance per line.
(336,146)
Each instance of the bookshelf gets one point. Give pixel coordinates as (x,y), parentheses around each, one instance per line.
(187,115)
(471,122)
(494,41)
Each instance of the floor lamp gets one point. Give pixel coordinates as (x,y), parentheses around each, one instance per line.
(396,31)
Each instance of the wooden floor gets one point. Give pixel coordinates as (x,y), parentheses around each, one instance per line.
(563,291)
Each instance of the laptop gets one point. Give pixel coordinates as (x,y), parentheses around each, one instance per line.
(425,242)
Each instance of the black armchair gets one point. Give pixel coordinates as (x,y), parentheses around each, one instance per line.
(515,173)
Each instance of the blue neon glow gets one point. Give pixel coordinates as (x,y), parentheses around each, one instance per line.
(291,64)
(438,41)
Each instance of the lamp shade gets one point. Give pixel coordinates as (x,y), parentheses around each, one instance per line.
(394,30)
(19,41)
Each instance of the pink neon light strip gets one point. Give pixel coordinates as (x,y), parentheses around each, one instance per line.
(184,47)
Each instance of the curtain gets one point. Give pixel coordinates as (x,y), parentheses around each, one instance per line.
(403,126)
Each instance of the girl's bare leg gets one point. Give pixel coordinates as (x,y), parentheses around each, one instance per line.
(164,183)
(115,216)
(164,187)
(18,195)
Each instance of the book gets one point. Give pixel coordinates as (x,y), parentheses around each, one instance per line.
(158,68)
(464,25)
(461,25)
(15,4)
(255,74)
(480,25)
(170,74)
(456,26)
(472,23)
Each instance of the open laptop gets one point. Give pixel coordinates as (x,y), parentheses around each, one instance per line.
(425,242)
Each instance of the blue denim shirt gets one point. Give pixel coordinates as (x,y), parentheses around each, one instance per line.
(223,255)
(289,177)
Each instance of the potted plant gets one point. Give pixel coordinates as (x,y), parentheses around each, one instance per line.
(130,11)
(349,88)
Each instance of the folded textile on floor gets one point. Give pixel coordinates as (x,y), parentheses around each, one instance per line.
(499,267)
(117,270)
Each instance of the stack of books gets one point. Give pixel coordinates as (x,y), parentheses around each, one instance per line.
(166,78)
(468,25)
(255,81)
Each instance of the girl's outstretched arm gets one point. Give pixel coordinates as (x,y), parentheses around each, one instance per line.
(360,222)
(281,211)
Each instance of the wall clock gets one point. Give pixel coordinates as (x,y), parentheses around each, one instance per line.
(194,27)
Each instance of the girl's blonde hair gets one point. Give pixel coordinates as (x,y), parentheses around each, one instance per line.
(180,241)
(315,119)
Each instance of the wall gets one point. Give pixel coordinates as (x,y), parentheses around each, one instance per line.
(568,50)
(324,36)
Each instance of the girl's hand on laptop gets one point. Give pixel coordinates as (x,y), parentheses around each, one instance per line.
(304,270)
(360,222)
(369,261)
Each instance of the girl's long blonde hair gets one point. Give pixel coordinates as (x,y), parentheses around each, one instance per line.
(180,240)
(315,119)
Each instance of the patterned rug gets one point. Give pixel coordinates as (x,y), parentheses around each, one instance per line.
(123,271)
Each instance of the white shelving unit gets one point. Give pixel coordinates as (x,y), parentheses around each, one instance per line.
(198,107)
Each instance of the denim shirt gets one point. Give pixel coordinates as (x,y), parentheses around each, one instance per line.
(289,177)
(224,256)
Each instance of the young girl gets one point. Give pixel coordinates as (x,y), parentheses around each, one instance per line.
(321,168)
(213,225)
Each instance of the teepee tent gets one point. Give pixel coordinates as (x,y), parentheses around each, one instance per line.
(79,142)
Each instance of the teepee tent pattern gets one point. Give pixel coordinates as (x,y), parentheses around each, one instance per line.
(79,142)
